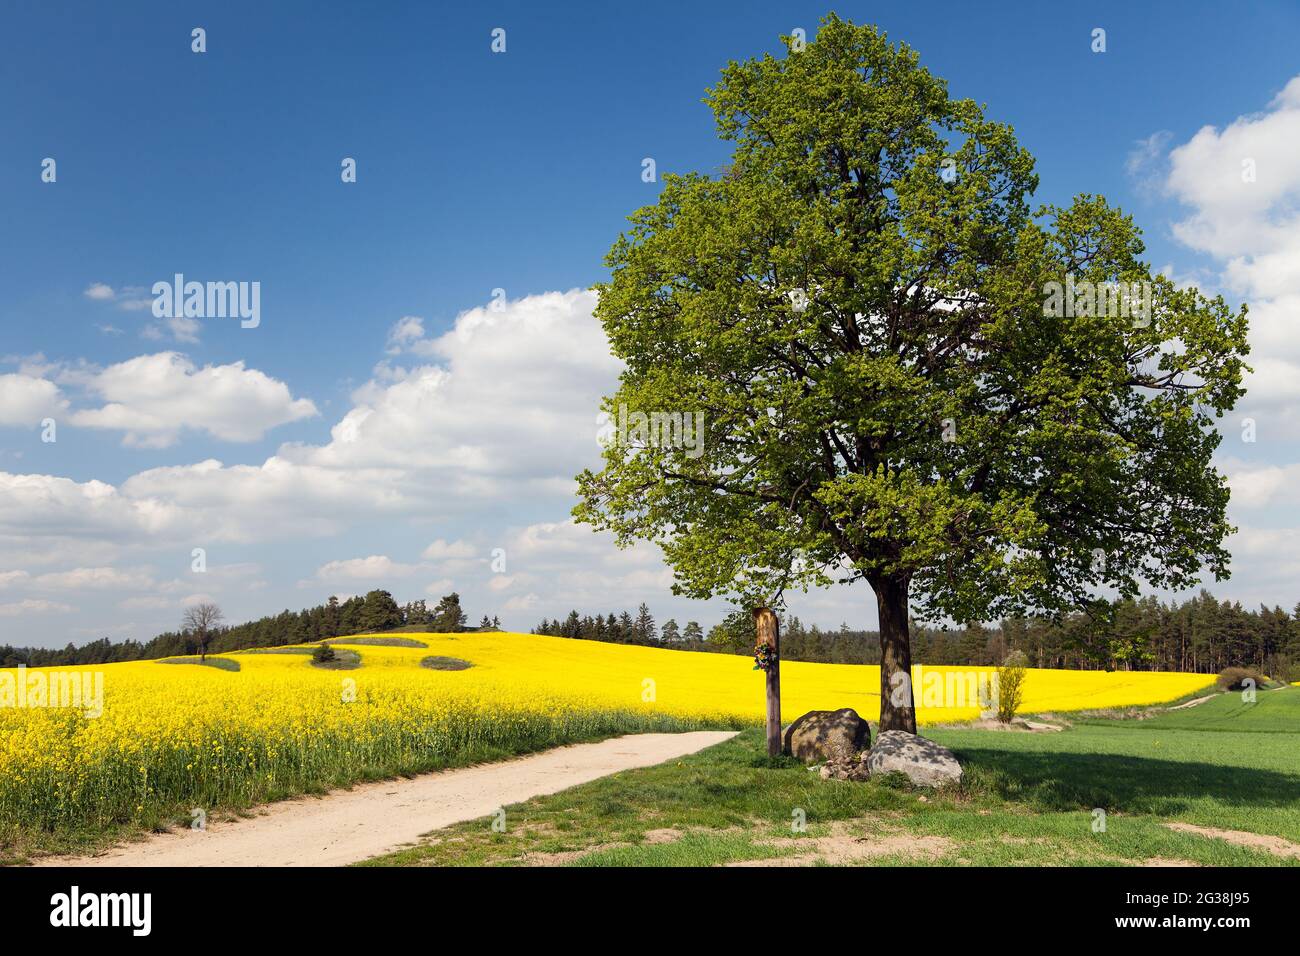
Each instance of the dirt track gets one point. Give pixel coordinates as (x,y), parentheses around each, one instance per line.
(351,825)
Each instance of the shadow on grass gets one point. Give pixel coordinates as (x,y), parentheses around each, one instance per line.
(1071,781)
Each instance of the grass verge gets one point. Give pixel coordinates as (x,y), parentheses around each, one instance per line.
(1027,800)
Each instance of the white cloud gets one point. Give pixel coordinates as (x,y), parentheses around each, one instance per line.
(99,291)
(501,417)
(408,329)
(153,398)
(275,500)
(33,606)
(1146,161)
(441,550)
(10,578)
(1241,184)
(513,397)
(181,328)
(82,579)
(377,567)
(1256,485)
(492,421)
(49,505)
(25,400)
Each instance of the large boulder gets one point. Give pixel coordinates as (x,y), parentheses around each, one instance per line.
(837,735)
(922,761)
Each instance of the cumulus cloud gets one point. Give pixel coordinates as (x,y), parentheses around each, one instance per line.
(512,396)
(1256,485)
(499,417)
(154,398)
(408,329)
(25,400)
(33,606)
(441,550)
(376,567)
(1241,184)
(579,567)
(468,427)
(48,505)
(101,578)
(183,329)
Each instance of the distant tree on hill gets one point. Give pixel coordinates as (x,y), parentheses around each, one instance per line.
(448,616)
(693,631)
(200,620)
(645,626)
(330,616)
(379,612)
(416,612)
(670,633)
(735,632)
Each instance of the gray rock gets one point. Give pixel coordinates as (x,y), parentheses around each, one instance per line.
(838,735)
(922,761)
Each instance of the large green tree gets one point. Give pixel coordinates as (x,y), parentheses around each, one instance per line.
(859,306)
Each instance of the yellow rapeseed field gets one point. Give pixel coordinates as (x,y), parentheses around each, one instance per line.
(175,736)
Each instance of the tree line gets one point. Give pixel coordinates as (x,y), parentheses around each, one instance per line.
(377,611)
(1200,635)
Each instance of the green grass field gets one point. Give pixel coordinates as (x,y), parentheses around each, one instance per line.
(1028,799)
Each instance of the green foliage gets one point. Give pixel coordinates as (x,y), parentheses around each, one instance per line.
(1199,633)
(1011,685)
(825,454)
(379,612)
(448,616)
(735,633)
(323,654)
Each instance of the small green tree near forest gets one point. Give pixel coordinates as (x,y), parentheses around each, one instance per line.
(447,615)
(379,612)
(1011,685)
(859,307)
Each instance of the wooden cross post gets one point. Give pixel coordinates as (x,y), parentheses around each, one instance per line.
(768,632)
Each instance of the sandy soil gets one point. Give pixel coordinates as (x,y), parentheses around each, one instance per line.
(351,825)
(1258,841)
(1194,702)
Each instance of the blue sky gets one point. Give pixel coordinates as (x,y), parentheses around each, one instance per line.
(480,171)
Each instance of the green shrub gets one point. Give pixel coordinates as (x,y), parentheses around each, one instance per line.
(1011,685)
(1234,678)
(323,654)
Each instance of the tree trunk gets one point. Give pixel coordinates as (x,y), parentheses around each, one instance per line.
(897,711)
(768,632)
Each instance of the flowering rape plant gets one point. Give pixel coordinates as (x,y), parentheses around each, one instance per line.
(172,737)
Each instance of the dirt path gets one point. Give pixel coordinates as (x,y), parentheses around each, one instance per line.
(374,818)
(1256,841)
(1194,702)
